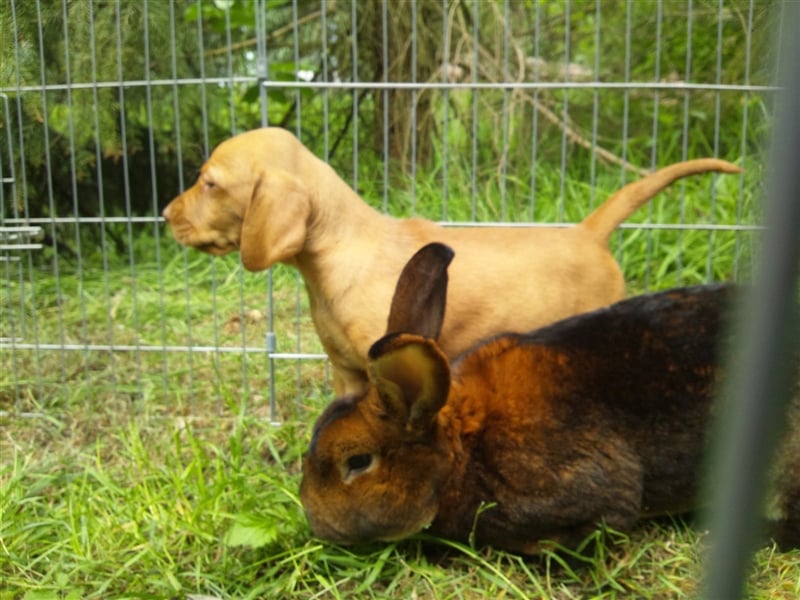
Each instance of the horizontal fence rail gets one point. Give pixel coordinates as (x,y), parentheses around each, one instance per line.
(399,85)
(654,226)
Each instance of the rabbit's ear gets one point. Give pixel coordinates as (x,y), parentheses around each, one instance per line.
(274,225)
(411,377)
(421,293)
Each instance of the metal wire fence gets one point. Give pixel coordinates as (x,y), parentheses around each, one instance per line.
(459,111)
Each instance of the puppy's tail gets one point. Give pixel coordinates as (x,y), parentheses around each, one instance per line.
(609,215)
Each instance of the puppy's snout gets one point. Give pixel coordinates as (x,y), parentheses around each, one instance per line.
(167,212)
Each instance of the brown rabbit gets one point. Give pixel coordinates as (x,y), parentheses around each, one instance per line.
(602,417)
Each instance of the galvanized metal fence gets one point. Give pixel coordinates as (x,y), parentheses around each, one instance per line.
(457,111)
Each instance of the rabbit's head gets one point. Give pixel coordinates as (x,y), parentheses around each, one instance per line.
(377,461)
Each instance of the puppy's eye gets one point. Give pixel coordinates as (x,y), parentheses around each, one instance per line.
(208,184)
(358,463)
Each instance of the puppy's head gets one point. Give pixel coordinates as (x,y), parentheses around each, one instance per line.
(246,198)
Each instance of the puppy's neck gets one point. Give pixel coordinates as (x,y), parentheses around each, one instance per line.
(339,217)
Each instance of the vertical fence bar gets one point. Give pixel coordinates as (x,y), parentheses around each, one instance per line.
(626,96)
(507,28)
(101,204)
(354,60)
(173,60)
(385,94)
(534,109)
(685,133)
(717,111)
(475,129)
(625,108)
(743,149)
(413,136)
(26,207)
(445,107)
(654,148)
(182,186)
(231,73)
(51,200)
(326,78)
(263,74)
(127,194)
(768,340)
(564,112)
(595,107)
(74,186)
(154,187)
(11,321)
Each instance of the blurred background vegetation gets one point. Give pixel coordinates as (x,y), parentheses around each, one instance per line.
(110,149)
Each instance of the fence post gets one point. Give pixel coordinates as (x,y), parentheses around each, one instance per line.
(766,341)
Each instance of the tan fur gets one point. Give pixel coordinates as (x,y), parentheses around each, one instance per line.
(266,195)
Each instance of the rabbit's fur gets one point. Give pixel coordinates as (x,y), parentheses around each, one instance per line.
(603,417)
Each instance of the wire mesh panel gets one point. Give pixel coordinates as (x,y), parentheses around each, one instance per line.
(464,112)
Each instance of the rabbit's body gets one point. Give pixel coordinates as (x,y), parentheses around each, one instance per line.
(603,417)
(575,423)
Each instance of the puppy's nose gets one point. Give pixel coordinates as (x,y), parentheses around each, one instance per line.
(167,212)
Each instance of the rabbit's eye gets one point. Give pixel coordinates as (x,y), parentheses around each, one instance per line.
(359,462)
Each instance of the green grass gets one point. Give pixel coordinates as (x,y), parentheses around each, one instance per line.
(165,509)
(159,475)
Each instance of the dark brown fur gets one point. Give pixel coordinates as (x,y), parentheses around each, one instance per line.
(603,417)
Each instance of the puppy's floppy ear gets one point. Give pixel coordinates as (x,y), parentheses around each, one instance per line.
(411,379)
(274,225)
(421,293)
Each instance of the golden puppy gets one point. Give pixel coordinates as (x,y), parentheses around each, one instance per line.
(266,195)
